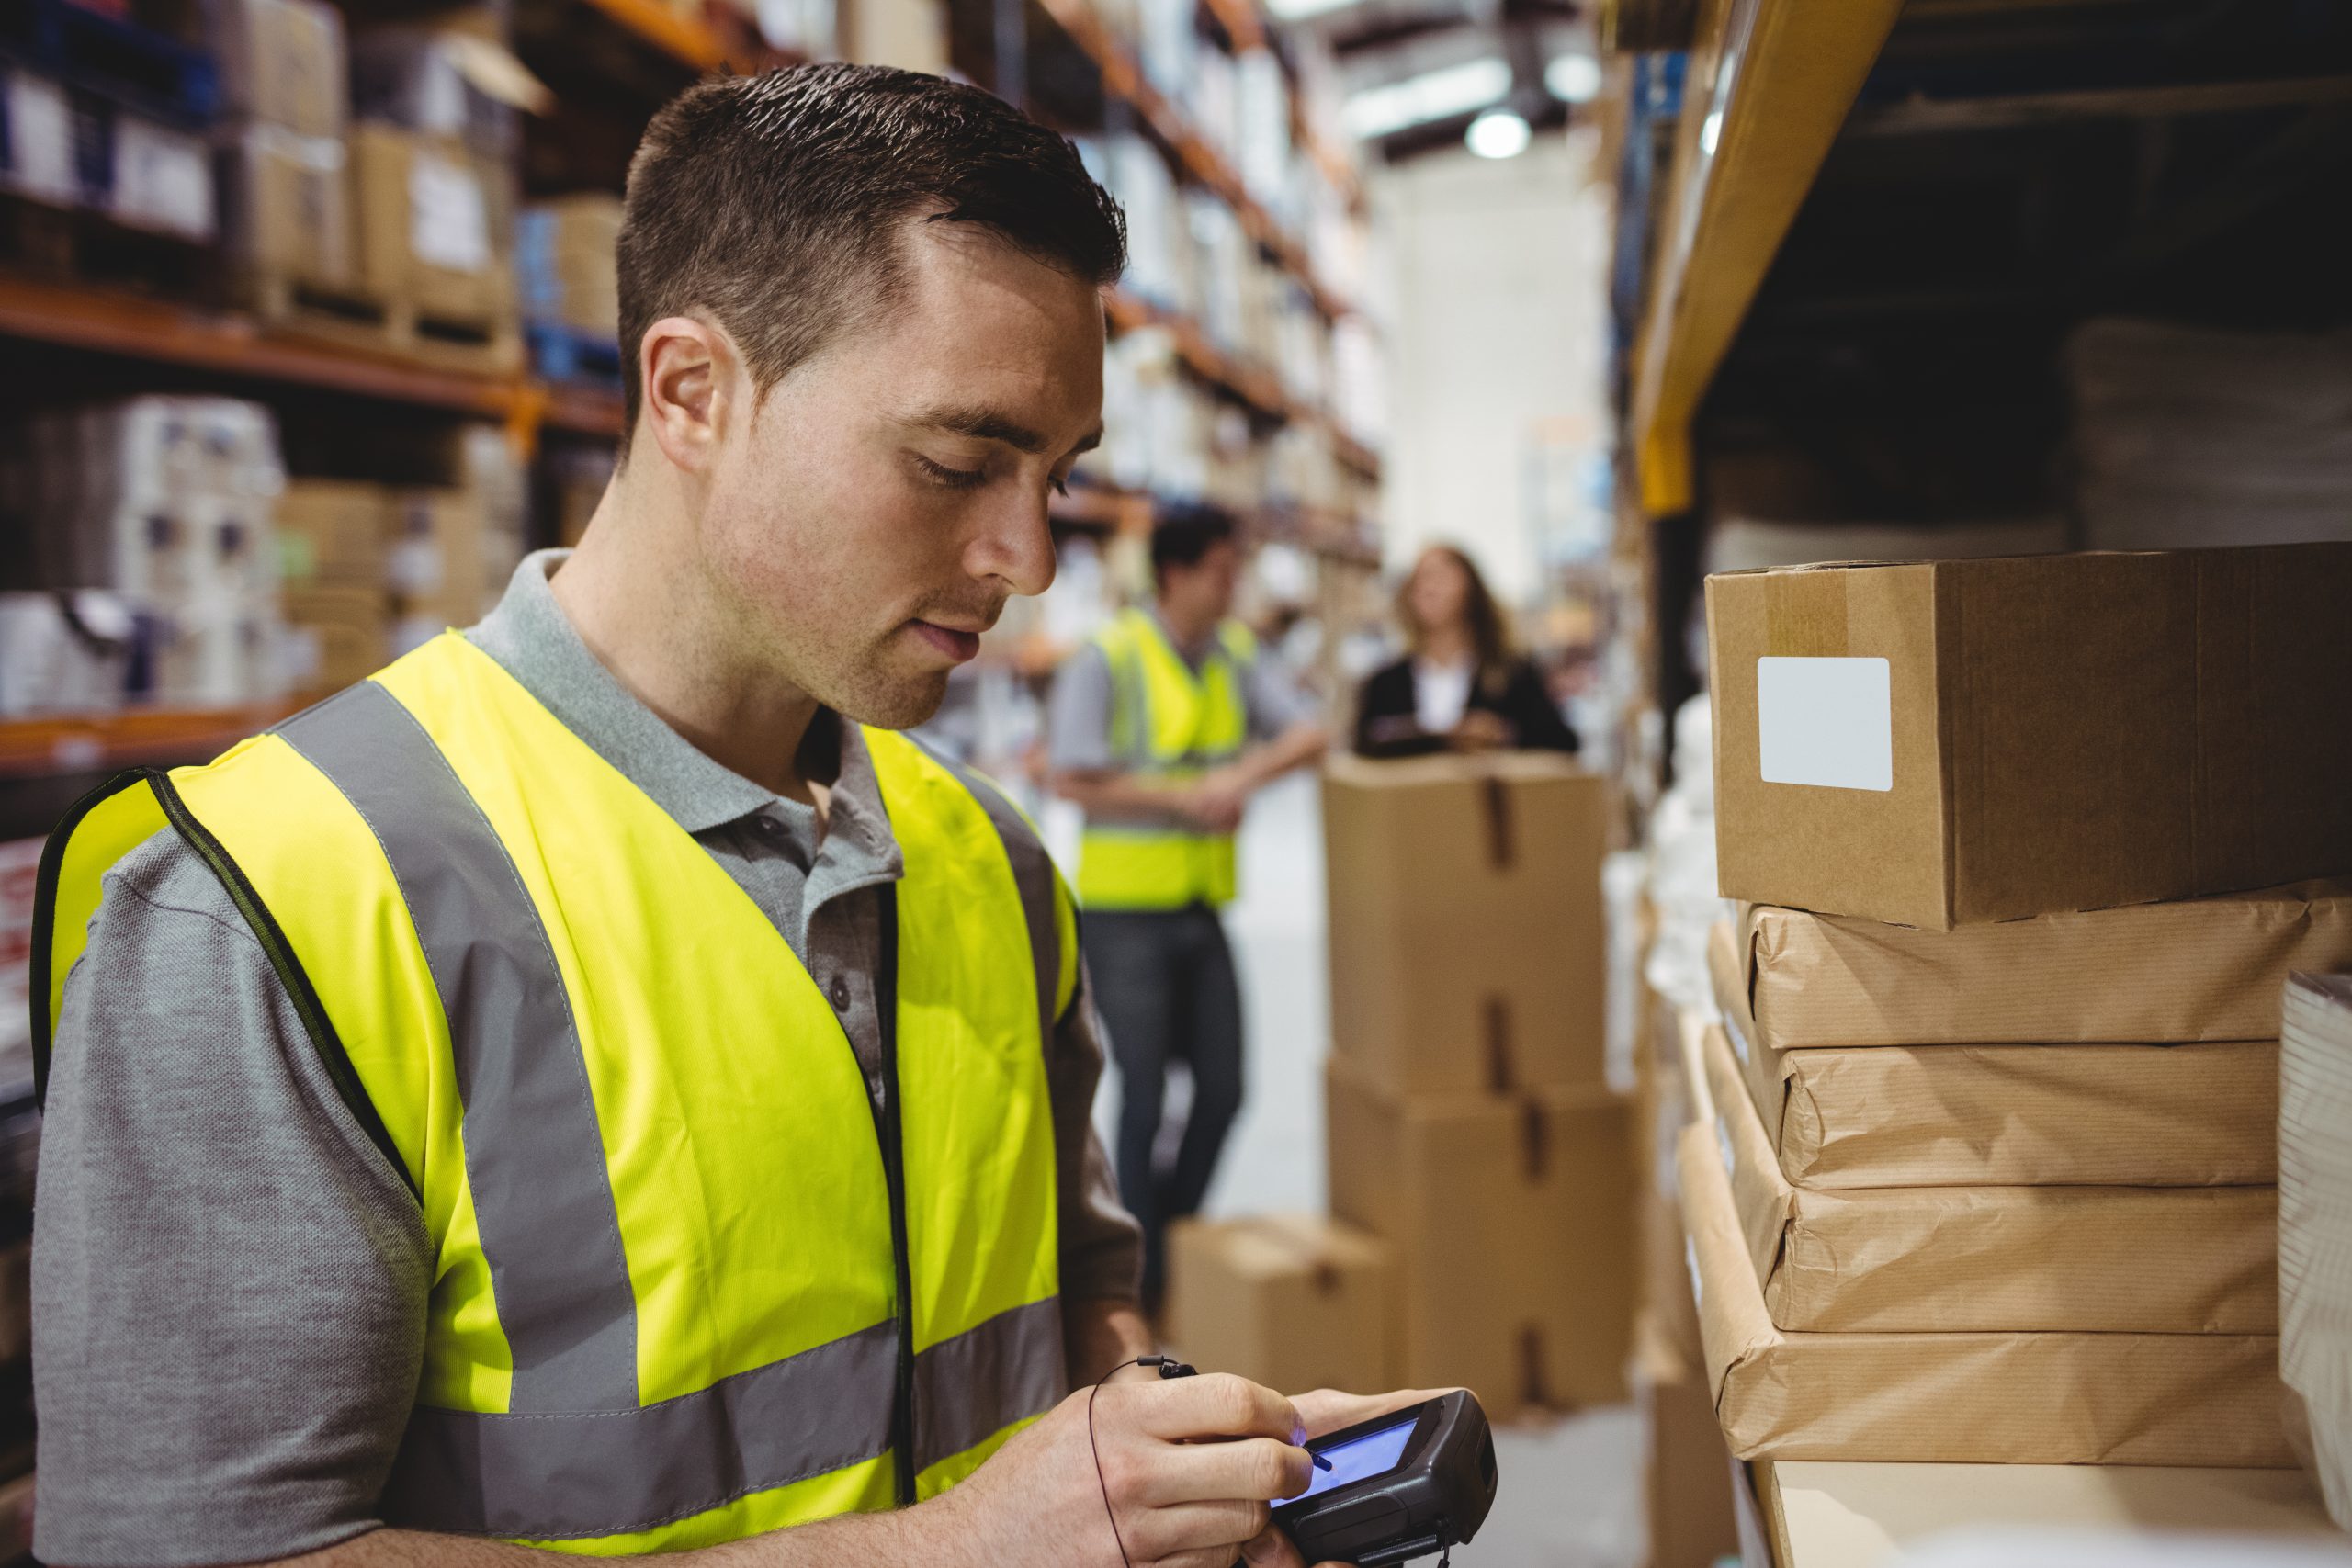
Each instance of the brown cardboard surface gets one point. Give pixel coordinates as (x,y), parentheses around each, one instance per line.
(2175,1399)
(2190,1115)
(2067,732)
(282,63)
(331,533)
(1939,1259)
(386,163)
(336,636)
(1860,1515)
(1511,1220)
(1294,1301)
(2152,974)
(285,207)
(1686,1469)
(1467,948)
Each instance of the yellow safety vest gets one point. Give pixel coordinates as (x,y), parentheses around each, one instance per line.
(1168,724)
(690,1283)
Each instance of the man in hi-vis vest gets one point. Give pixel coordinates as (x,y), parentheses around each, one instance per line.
(597,1087)
(1161,729)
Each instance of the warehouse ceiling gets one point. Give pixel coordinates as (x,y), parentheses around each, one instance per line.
(1415,73)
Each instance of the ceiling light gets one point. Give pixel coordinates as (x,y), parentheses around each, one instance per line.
(1432,95)
(1574,78)
(1298,10)
(1498,133)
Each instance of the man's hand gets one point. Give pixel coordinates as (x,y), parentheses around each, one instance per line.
(1188,1467)
(1327,1410)
(1216,802)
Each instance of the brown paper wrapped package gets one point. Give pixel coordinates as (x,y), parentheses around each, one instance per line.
(2006,1115)
(2154,974)
(1943,1259)
(2195,1399)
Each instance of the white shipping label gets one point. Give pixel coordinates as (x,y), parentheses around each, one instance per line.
(449,223)
(1828,722)
(36,153)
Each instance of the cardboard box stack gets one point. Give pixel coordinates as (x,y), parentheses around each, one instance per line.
(1470,1125)
(1997,1184)
(563,260)
(146,524)
(286,193)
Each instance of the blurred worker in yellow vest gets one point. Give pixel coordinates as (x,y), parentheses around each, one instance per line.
(1161,729)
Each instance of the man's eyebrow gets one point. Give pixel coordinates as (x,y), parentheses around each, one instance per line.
(987,425)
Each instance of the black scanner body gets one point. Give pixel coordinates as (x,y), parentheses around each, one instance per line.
(1435,1497)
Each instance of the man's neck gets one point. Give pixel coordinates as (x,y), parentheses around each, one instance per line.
(628,599)
(1190,632)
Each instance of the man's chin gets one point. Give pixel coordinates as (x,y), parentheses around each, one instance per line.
(892,702)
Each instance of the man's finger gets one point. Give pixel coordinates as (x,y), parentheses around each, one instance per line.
(1327,1410)
(1270,1549)
(1154,1533)
(1258,1469)
(1218,1405)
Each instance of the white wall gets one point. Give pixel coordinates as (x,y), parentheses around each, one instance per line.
(1496,324)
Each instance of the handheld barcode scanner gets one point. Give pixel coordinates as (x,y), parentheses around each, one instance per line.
(1399,1486)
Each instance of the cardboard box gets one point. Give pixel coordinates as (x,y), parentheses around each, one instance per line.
(1511,1220)
(1466,941)
(1860,1515)
(1963,741)
(564,260)
(2204,969)
(2006,1115)
(437,557)
(286,206)
(2315,1223)
(1686,1469)
(334,637)
(2182,1399)
(331,533)
(427,224)
(1294,1301)
(1960,1259)
(282,63)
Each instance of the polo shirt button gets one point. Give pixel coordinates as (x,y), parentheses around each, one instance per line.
(840,994)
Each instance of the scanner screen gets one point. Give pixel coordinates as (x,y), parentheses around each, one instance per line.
(1358,1458)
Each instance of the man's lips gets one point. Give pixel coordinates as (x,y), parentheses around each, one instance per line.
(957,647)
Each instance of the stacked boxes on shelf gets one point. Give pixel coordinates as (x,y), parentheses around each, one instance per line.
(286,188)
(146,528)
(570,290)
(103,116)
(1470,1124)
(1998,1183)
(433,183)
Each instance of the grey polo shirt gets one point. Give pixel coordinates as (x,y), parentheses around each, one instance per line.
(229,1283)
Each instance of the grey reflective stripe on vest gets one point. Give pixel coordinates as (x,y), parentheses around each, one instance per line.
(969,1388)
(1033,876)
(614,1472)
(534,1160)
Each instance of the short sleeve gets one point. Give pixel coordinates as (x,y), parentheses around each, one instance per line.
(229,1279)
(1078,715)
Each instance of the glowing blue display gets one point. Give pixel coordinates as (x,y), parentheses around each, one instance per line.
(1375,1453)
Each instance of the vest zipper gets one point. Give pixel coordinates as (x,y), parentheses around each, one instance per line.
(894,1171)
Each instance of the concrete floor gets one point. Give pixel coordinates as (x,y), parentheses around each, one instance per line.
(1571,1490)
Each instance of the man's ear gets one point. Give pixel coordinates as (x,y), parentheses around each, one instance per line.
(689,369)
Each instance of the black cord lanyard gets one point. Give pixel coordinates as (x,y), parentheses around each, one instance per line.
(1170,1367)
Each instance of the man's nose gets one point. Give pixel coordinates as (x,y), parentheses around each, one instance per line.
(1017,546)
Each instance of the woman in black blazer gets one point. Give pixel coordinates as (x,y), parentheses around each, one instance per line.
(1461,688)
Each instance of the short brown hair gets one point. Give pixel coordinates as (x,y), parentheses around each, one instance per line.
(772,203)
